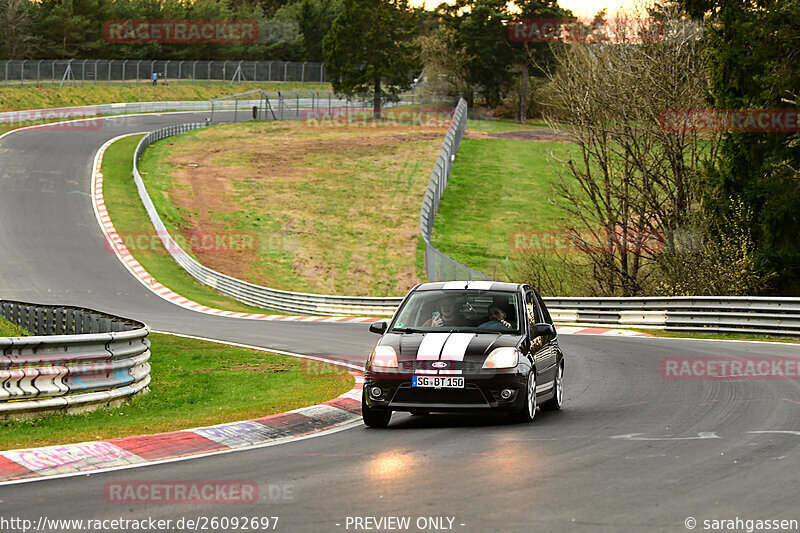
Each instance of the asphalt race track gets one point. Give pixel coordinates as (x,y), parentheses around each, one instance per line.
(630,451)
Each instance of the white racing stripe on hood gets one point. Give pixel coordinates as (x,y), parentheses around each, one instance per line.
(455,348)
(430,348)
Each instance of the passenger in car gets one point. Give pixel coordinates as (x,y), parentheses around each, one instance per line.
(498,319)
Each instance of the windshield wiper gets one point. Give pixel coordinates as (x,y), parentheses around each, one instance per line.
(407,330)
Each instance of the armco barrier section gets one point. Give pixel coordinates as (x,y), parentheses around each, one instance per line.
(293,302)
(284,104)
(438,266)
(712,314)
(77,359)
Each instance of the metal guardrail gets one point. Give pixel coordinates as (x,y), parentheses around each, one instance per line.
(77,359)
(711,314)
(249,293)
(109,71)
(284,104)
(438,266)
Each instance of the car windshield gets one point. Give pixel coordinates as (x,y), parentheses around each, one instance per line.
(459,310)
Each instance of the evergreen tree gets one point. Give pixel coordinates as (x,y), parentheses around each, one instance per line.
(369,49)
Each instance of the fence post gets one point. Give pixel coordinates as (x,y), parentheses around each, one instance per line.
(96,64)
(38,70)
(22,73)
(123,70)
(6,76)
(285,70)
(303,72)
(109,71)
(269,71)
(321,72)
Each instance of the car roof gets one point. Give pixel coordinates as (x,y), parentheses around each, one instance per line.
(470,285)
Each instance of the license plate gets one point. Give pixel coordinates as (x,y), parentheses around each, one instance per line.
(438,382)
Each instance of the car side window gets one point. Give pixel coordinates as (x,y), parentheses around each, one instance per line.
(545,312)
(530,307)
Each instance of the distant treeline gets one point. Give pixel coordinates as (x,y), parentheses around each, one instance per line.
(288,30)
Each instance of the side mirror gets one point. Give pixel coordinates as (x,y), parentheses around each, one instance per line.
(542,329)
(378,327)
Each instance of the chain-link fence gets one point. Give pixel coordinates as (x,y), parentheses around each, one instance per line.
(438,266)
(68,72)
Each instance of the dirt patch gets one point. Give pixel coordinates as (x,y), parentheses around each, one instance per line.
(540,135)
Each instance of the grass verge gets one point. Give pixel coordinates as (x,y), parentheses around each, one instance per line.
(7,329)
(503,124)
(194,383)
(32,97)
(134,227)
(716,336)
(498,188)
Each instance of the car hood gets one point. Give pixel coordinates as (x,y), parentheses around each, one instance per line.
(467,347)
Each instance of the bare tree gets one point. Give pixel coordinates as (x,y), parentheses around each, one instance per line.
(636,178)
(445,64)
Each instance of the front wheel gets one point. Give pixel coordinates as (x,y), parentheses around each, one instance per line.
(374,418)
(555,403)
(528,411)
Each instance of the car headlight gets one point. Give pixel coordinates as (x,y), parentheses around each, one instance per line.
(384,356)
(506,357)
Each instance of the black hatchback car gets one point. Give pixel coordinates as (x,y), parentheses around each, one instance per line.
(458,345)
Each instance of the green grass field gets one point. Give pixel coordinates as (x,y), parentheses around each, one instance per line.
(32,97)
(333,209)
(134,227)
(194,383)
(498,187)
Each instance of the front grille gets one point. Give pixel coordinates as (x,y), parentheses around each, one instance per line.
(470,395)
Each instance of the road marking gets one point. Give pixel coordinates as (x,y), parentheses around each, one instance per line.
(700,436)
(780,431)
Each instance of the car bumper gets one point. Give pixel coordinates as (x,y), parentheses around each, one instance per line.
(480,392)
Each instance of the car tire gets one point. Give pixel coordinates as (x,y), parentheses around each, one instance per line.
(528,411)
(374,418)
(555,403)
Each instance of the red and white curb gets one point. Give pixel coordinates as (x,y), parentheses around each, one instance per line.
(128,452)
(116,244)
(611,332)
